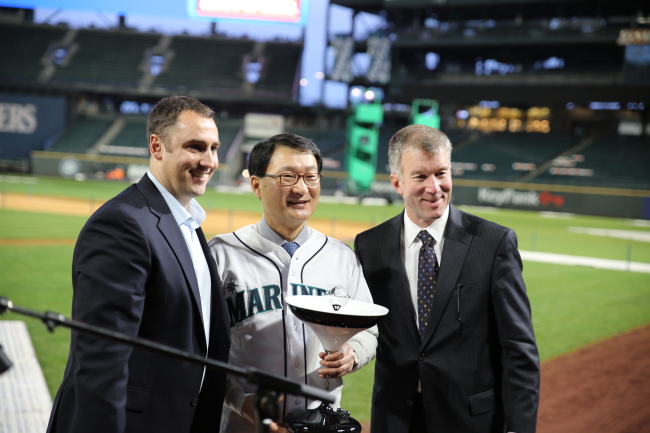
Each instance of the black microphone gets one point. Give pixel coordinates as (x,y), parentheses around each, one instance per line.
(5,362)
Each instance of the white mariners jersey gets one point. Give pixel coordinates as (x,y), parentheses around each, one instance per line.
(256,275)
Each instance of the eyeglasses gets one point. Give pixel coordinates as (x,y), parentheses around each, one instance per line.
(290,179)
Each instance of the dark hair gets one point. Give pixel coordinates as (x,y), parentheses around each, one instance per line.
(260,156)
(164,114)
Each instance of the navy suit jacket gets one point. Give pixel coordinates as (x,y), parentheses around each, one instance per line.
(132,272)
(477,362)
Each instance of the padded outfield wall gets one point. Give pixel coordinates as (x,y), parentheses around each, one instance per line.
(82,166)
(613,202)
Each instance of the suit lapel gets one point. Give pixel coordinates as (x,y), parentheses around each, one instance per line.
(218,311)
(169,229)
(457,242)
(392,258)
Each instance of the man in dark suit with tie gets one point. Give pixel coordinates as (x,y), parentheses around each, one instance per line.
(457,351)
(141,267)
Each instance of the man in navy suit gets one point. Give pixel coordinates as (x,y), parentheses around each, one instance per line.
(141,267)
(457,352)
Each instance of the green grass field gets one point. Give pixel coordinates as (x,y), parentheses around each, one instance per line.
(572,306)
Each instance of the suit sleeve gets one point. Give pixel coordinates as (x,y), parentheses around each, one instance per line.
(112,262)
(519,356)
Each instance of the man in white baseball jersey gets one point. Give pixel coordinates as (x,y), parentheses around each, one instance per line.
(259,265)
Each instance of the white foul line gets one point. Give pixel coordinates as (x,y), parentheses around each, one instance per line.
(633,235)
(564,259)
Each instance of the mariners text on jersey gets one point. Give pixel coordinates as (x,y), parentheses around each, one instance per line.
(244,304)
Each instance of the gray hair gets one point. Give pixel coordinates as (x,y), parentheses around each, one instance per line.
(416,137)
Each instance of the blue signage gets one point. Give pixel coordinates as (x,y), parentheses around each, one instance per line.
(29,123)
(172,8)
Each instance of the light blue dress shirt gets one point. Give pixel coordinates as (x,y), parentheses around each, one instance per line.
(188,221)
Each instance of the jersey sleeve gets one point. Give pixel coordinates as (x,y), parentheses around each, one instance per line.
(365,342)
(235,394)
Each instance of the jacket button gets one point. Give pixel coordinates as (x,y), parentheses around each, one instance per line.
(194,402)
(409,402)
(421,357)
(202,353)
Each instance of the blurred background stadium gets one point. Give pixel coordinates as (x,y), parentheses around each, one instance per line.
(546,103)
(547,96)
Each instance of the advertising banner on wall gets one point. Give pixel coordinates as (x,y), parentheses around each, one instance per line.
(29,123)
(590,201)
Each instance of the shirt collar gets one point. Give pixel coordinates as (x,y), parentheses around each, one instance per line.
(436,229)
(267,232)
(193,216)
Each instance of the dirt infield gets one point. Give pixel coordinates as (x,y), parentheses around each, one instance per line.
(604,387)
(216,221)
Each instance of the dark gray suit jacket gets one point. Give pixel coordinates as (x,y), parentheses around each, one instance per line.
(478,362)
(132,272)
